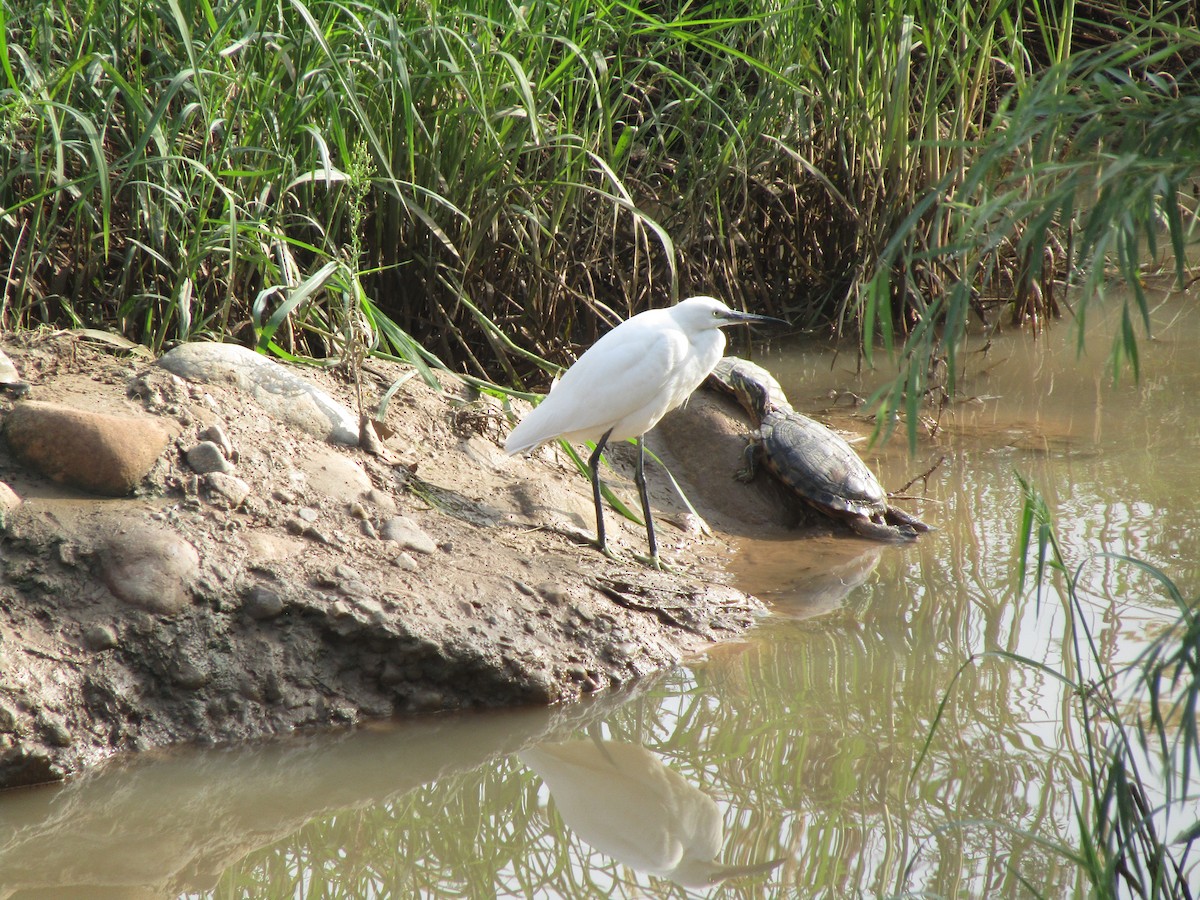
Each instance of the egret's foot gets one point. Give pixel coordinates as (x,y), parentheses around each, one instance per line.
(575,535)
(655,562)
(607,551)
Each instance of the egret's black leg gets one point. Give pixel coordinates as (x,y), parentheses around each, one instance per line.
(594,465)
(639,478)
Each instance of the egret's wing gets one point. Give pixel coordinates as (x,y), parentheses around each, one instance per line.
(626,371)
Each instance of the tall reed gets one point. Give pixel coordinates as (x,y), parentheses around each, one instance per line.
(489,184)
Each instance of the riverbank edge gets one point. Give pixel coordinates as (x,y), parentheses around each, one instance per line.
(307,606)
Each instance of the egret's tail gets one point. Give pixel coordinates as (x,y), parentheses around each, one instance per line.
(525,436)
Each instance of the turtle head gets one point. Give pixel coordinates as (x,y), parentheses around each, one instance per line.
(752,392)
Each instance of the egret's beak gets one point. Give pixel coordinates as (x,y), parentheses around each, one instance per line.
(736,316)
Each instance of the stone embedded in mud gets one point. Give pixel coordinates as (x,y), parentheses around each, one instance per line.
(282,393)
(104,454)
(408,534)
(149,569)
(9,500)
(54,729)
(405,560)
(207,457)
(332,473)
(188,674)
(8,717)
(216,434)
(262,603)
(225,490)
(99,637)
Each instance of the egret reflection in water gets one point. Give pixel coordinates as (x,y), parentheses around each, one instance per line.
(625,802)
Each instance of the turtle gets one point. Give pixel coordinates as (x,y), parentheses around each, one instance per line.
(10,382)
(810,459)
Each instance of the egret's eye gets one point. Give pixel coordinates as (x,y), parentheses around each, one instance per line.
(716,314)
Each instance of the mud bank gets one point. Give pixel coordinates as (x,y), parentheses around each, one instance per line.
(284,581)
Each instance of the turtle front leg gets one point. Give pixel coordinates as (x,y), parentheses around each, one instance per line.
(750,463)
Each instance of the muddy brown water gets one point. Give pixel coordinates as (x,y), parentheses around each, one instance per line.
(796,763)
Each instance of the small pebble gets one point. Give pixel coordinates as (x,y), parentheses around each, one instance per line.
(225,489)
(99,637)
(318,535)
(262,603)
(307,514)
(408,534)
(552,593)
(8,717)
(55,730)
(207,457)
(188,675)
(405,561)
(381,500)
(216,434)
(357,589)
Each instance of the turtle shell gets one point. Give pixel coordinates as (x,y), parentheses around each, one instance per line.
(820,466)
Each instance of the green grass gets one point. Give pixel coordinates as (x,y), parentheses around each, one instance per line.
(491,185)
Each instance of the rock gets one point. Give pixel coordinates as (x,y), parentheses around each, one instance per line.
(381,500)
(28,764)
(405,561)
(99,637)
(226,490)
(8,718)
(333,474)
(262,603)
(283,394)
(9,500)
(207,457)
(150,569)
(54,730)
(104,454)
(187,674)
(408,534)
(10,381)
(217,435)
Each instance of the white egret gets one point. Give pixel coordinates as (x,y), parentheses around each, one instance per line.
(628,380)
(623,801)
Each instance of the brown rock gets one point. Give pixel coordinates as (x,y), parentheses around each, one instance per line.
(104,454)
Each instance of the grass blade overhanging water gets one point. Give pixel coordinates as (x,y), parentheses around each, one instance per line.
(1134,731)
